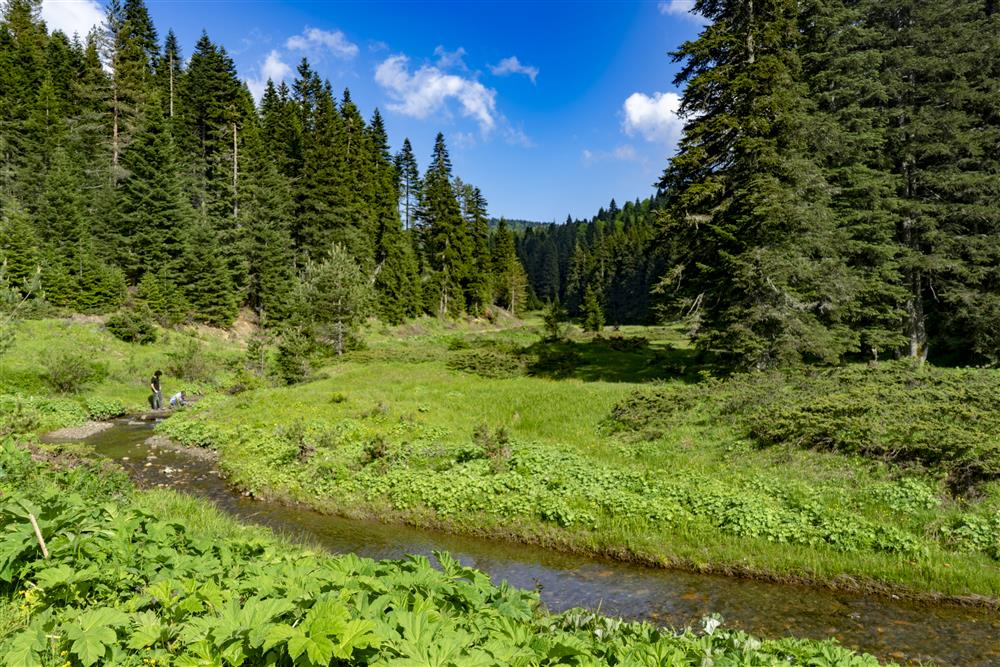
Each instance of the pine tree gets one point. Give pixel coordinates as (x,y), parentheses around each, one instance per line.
(153,214)
(445,241)
(593,314)
(759,267)
(409,184)
(335,297)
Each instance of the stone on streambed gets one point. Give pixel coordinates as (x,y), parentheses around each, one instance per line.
(162,442)
(81,432)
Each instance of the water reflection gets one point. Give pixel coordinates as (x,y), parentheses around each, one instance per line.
(890,629)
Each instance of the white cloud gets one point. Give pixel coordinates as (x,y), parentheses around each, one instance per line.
(273,68)
(514,66)
(428,89)
(623,153)
(516,136)
(72,16)
(313,38)
(677,7)
(655,118)
(448,59)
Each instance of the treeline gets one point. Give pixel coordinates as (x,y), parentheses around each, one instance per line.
(129,175)
(837,188)
(615,256)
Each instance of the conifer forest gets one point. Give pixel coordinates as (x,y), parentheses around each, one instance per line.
(278,388)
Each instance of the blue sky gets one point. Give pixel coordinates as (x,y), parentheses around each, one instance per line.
(551,108)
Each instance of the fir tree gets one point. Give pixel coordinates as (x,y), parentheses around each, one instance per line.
(593,314)
(445,241)
(153,214)
(759,268)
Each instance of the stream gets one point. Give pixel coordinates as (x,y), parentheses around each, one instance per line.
(890,629)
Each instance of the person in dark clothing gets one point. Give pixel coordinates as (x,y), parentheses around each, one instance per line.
(156,400)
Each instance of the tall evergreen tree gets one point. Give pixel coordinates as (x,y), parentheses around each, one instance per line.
(409,184)
(758,266)
(445,240)
(153,213)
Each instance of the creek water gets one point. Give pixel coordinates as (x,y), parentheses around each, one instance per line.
(895,630)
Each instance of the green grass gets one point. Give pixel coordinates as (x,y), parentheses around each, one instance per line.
(158,579)
(124,369)
(389,432)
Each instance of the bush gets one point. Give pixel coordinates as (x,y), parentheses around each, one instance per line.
(190,362)
(70,372)
(103,409)
(292,357)
(495,446)
(488,363)
(132,326)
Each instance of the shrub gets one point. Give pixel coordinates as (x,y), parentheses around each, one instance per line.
(488,363)
(190,362)
(132,326)
(495,446)
(292,357)
(103,409)
(18,419)
(69,372)
(375,450)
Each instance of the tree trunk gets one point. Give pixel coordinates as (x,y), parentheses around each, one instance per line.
(916,319)
(236,173)
(171,84)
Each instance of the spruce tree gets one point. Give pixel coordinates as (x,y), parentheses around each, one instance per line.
(397,281)
(759,268)
(444,237)
(409,184)
(593,314)
(153,214)
(205,279)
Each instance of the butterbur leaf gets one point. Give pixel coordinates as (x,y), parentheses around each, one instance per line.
(91,633)
(233,653)
(318,649)
(357,634)
(199,655)
(51,577)
(277,635)
(147,630)
(23,650)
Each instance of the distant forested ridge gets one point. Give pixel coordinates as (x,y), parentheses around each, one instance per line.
(616,254)
(835,193)
(131,174)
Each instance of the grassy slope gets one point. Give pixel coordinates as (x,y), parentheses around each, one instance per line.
(127,368)
(388,433)
(400,391)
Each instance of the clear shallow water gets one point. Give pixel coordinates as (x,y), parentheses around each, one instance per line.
(891,629)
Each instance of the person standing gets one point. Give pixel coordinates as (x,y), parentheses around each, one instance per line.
(154,384)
